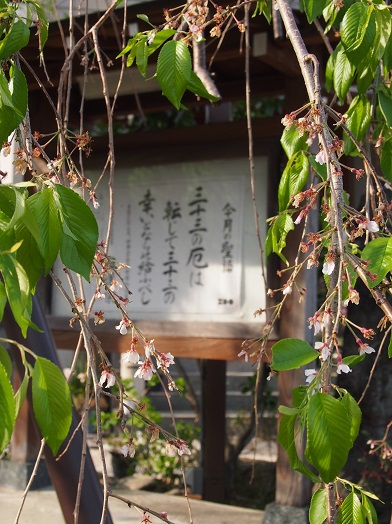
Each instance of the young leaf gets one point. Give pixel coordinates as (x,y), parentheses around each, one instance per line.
(385,101)
(5,359)
(43,24)
(390,348)
(353,360)
(159,39)
(355,414)
(328,432)
(276,236)
(292,353)
(318,507)
(292,142)
(343,72)
(17,37)
(369,510)
(142,56)
(12,207)
(351,510)
(386,159)
(7,409)
(196,86)
(3,300)
(80,231)
(11,117)
(174,70)
(20,395)
(358,31)
(359,115)
(145,19)
(293,179)
(51,402)
(42,207)
(18,291)
(286,438)
(313,8)
(379,254)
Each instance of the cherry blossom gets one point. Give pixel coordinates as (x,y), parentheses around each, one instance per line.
(183,448)
(123,325)
(328,267)
(146,370)
(310,375)
(171,450)
(343,368)
(320,157)
(165,360)
(324,350)
(107,377)
(370,225)
(364,348)
(131,356)
(288,289)
(128,450)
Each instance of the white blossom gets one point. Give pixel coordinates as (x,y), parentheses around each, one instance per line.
(310,374)
(328,267)
(320,157)
(343,368)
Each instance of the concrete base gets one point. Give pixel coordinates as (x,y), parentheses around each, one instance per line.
(16,475)
(278,514)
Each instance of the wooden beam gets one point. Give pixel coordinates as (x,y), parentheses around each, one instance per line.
(186,345)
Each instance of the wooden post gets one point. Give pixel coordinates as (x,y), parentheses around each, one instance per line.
(213,429)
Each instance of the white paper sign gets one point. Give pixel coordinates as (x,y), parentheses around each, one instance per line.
(187,232)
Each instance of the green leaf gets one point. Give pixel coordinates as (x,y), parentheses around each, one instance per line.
(5,359)
(20,395)
(43,208)
(379,254)
(11,117)
(292,353)
(276,235)
(343,73)
(142,56)
(288,411)
(369,510)
(12,207)
(174,70)
(313,8)
(286,438)
(386,159)
(16,38)
(18,290)
(43,24)
(359,115)
(293,179)
(80,231)
(3,300)
(390,348)
(318,507)
(353,360)
(355,414)
(145,19)
(385,102)
(7,409)
(196,86)
(159,39)
(28,254)
(51,402)
(328,432)
(351,511)
(292,142)
(358,31)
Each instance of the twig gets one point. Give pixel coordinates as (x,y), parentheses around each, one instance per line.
(33,474)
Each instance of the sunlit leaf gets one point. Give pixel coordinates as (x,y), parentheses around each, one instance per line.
(51,402)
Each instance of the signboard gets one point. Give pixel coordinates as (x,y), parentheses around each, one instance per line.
(186,233)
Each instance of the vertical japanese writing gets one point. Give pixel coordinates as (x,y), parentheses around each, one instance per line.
(146,264)
(128,245)
(196,259)
(172,213)
(227,246)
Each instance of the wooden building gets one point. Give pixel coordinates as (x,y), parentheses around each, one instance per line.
(214,141)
